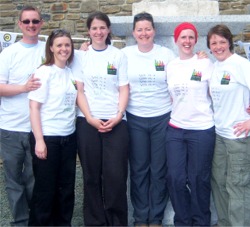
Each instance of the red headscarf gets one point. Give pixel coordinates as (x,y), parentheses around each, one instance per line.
(184,26)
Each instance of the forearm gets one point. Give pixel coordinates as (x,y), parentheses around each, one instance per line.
(35,119)
(11,89)
(123,98)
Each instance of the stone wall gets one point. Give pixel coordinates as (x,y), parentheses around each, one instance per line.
(72,15)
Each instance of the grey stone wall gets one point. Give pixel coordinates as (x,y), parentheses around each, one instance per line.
(72,15)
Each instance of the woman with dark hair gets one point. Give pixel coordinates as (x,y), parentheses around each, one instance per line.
(53,140)
(101,126)
(230,91)
(148,114)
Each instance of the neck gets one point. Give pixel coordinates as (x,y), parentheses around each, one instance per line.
(145,48)
(99,47)
(32,40)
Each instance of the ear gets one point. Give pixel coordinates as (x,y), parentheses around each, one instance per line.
(51,49)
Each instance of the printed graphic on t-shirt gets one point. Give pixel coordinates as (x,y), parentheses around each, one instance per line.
(147,82)
(180,90)
(196,75)
(159,65)
(111,70)
(225,79)
(98,84)
(69,101)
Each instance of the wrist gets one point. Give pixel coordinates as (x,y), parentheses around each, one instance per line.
(121,113)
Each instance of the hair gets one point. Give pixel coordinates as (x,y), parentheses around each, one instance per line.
(143,16)
(29,8)
(50,60)
(223,31)
(99,16)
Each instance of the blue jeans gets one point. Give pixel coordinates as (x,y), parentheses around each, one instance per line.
(147,157)
(17,164)
(52,201)
(189,160)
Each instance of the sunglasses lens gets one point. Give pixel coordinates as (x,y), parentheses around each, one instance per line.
(33,21)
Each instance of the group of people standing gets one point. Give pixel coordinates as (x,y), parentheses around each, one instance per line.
(179,122)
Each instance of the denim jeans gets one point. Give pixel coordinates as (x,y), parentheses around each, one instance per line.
(19,180)
(189,160)
(147,159)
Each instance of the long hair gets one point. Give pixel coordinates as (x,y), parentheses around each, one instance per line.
(103,17)
(50,60)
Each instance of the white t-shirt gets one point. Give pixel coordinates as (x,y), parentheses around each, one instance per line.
(230,88)
(17,63)
(102,73)
(188,82)
(149,95)
(58,97)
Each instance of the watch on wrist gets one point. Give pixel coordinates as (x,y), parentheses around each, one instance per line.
(121,112)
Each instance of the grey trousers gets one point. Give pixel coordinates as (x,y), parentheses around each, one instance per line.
(231,181)
(19,180)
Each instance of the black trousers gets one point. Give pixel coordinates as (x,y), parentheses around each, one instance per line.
(52,203)
(104,160)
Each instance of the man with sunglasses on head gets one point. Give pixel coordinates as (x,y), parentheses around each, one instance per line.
(17,65)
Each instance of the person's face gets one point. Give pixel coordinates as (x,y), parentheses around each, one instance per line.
(31,30)
(61,49)
(219,47)
(186,43)
(144,33)
(98,33)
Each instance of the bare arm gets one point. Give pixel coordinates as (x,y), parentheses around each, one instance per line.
(35,119)
(15,89)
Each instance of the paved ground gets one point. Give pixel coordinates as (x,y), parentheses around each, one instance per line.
(5,217)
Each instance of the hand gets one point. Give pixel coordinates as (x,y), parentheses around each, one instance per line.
(110,124)
(242,127)
(98,124)
(32,84)
(41,149)
(85,46)
(248,110)
(202,54)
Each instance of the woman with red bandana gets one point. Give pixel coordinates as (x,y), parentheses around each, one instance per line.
(191,135)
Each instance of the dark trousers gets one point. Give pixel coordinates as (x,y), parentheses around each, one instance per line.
(189,160)
(147,157)
(104,160)
(52,202)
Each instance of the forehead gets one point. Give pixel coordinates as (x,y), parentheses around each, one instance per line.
(62,39)
(187,32)
(217,37)
(143,23)
(30,14)
(98,23)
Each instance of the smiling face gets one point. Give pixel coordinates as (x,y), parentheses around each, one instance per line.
(30,31)
(61,49)
(98,33)
(219,47)
(144,34)
(186,42)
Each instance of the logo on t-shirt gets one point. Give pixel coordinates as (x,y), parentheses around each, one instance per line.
(111,70)
(225,80)
(159,65)
(196,75)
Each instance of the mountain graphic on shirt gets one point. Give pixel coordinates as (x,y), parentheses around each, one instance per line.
(225,80)
(196,75)
(159,65)
(111,70)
